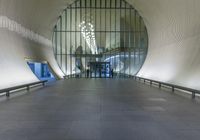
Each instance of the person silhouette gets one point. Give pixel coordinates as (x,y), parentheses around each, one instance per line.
(88,73)
(111,72)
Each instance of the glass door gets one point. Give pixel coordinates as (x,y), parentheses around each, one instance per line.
(100,70)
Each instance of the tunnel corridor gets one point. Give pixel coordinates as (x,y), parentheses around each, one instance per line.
(99,109)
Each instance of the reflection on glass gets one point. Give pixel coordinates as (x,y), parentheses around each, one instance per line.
(100,32)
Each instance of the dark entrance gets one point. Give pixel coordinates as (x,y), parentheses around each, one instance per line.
(100,70)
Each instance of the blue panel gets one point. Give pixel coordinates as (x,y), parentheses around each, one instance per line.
(41,70)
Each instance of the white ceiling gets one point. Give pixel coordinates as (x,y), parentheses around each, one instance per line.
(37,15)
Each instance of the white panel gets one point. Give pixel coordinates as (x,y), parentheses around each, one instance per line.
(13,51)
(174,38)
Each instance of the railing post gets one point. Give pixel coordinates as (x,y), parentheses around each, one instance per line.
(172,88)
(43,83)
(28,88)
(7,93)
(159,85)
(193,95)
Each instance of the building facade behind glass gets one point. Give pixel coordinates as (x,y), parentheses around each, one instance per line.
(100,37)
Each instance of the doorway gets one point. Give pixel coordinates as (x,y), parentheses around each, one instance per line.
(100,70)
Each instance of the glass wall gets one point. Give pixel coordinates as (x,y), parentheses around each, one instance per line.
(100,31)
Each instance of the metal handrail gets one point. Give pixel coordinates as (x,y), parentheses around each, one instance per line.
(27,86)
(173,86)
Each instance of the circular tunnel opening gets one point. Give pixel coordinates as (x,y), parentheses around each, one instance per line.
(101,39)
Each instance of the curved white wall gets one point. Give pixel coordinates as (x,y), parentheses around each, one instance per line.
(174,40)
(38,16)
(14,49)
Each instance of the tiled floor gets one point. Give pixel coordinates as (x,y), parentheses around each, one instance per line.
(101,109)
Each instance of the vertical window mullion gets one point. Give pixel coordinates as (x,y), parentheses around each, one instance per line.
(66,45)
(71,43)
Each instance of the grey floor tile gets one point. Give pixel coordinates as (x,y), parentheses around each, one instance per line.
(99,109)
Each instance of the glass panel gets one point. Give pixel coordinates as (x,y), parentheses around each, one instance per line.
(98,3)
(63,42)
(113,3)
(103,20)
(108,4)
(68,17)
(107,19)
(103,3)
(117,3)
(112,19)
(93,3)
(68,38)
(82,3)
(103,34)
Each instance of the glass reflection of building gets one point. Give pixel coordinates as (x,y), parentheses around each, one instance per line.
(96,31)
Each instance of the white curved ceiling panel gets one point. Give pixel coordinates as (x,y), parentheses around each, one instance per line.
(174,38)
(37,15)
